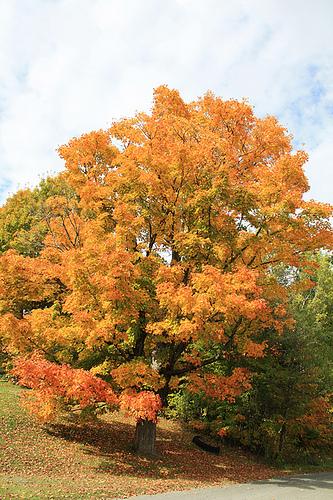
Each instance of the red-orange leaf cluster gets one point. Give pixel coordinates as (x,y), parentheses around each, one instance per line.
(142,406)
(221,387)
(60,384)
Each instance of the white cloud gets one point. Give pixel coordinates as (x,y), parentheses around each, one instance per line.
(319,170)
(69,66)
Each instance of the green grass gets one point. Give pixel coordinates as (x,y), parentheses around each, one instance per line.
(9,394)
(40,487)
(324,464)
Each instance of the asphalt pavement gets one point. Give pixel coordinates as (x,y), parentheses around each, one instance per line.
(300,487)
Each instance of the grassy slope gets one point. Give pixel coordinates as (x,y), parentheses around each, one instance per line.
(95,461)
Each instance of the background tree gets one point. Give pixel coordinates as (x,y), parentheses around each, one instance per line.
(25,217)
(161,264)
(286,415)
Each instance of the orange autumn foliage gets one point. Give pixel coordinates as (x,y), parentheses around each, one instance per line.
(221,387)
(137,374)
(142,406)
(254,349)
(319,417)
(164,253)
(56,385)
(223,432)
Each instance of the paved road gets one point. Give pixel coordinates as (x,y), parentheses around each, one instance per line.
(302,487)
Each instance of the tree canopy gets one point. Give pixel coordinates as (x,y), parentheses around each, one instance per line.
(158,258)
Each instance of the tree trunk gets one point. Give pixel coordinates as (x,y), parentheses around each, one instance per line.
(283,432)
(145,437)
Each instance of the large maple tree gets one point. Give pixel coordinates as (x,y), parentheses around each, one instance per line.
(160,265)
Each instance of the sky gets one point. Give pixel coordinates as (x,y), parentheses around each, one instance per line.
(71,66)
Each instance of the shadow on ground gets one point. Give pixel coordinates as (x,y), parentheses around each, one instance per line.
(177,457)
(322,480)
